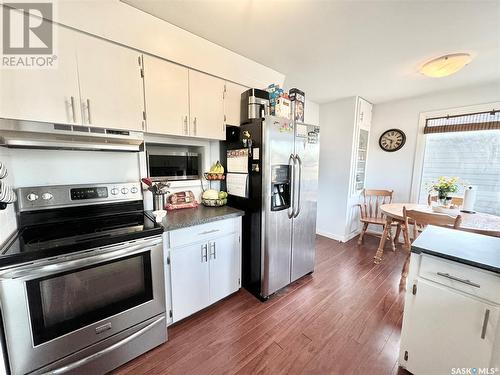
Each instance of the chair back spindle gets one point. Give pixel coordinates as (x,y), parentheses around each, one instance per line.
(372,200)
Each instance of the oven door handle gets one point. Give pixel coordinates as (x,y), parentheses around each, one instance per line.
(37,270)
(83,361)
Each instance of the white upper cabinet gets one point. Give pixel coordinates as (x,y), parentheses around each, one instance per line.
(232,103)
(364,114)
(111,85)
(166,88)
(206,106)
(44,94)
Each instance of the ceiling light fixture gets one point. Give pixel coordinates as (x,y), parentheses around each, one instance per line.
(445,65)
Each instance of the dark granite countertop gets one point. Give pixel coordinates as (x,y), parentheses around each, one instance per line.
(188,217)
(463,247)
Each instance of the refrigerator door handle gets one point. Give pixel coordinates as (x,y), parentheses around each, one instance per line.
(291,164)
(299,162)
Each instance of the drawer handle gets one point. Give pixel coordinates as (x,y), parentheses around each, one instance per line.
(210,231)
(464,281)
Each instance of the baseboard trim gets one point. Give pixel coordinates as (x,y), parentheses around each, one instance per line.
(330,235)
(337,237)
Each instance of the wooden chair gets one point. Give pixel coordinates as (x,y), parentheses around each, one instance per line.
(370,210)
(419,220)
(455,201)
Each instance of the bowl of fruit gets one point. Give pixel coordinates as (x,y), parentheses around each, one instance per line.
(214,198)
(216,172)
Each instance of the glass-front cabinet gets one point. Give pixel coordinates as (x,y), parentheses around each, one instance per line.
(360,146)
(360,160)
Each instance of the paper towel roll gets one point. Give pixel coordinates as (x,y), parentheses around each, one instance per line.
(469,199)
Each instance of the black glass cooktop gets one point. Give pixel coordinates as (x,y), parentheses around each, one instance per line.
(56,232)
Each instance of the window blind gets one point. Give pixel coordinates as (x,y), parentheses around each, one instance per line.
(460,123)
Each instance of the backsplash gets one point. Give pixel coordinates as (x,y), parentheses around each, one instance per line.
(61,167)
(33,167)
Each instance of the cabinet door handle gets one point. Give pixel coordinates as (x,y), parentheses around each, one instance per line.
(209,231)
(454,278)
(186,130)
(485,323)
(213,250)
(88,111)
(204,253)
(195,126)
(73,108)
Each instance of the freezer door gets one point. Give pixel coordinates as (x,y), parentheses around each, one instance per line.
(306,187)
(277,144)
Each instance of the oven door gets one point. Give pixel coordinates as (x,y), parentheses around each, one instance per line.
(55,308)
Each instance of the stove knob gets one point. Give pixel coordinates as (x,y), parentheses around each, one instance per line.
(47,196)
(32,197)
(134,190)
(114,191)
(124,190)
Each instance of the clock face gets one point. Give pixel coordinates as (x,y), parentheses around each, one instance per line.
(392,140)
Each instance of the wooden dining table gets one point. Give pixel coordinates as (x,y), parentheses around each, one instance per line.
(393,212)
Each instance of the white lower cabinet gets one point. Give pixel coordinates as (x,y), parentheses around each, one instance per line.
(224,266)
(190,280)
(203,272)
(445,329)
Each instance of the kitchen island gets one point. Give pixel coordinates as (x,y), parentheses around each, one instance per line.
(452,304)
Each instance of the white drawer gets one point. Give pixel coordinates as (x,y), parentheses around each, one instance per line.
(471,280)
(203,232)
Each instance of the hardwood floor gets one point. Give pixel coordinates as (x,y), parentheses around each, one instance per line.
(343,319)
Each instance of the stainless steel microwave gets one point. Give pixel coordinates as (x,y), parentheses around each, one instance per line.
(171,163)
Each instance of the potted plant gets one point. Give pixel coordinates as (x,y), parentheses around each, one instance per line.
(444,186)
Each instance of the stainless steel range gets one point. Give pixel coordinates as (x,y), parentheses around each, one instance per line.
(81,284)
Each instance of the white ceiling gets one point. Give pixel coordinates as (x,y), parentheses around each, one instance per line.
(333,49)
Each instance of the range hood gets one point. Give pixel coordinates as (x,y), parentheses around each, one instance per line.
(28,134)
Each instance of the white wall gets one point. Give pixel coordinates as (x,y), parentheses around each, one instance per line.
(393,170)
(311,113)
(121,23)
(337,130)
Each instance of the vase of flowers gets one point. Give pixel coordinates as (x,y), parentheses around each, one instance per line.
(445,186)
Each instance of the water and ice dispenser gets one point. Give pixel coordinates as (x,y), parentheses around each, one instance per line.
(280,187)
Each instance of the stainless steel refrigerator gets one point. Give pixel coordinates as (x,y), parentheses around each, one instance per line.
(272,174)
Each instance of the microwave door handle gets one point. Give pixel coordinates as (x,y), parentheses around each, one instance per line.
(37,270)
(109,349)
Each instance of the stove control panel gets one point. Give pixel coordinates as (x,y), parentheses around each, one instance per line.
(92,192)
(40,197)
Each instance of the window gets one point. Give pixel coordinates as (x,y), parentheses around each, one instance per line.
(468,147)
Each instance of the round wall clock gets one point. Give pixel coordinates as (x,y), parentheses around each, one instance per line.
(392,140)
